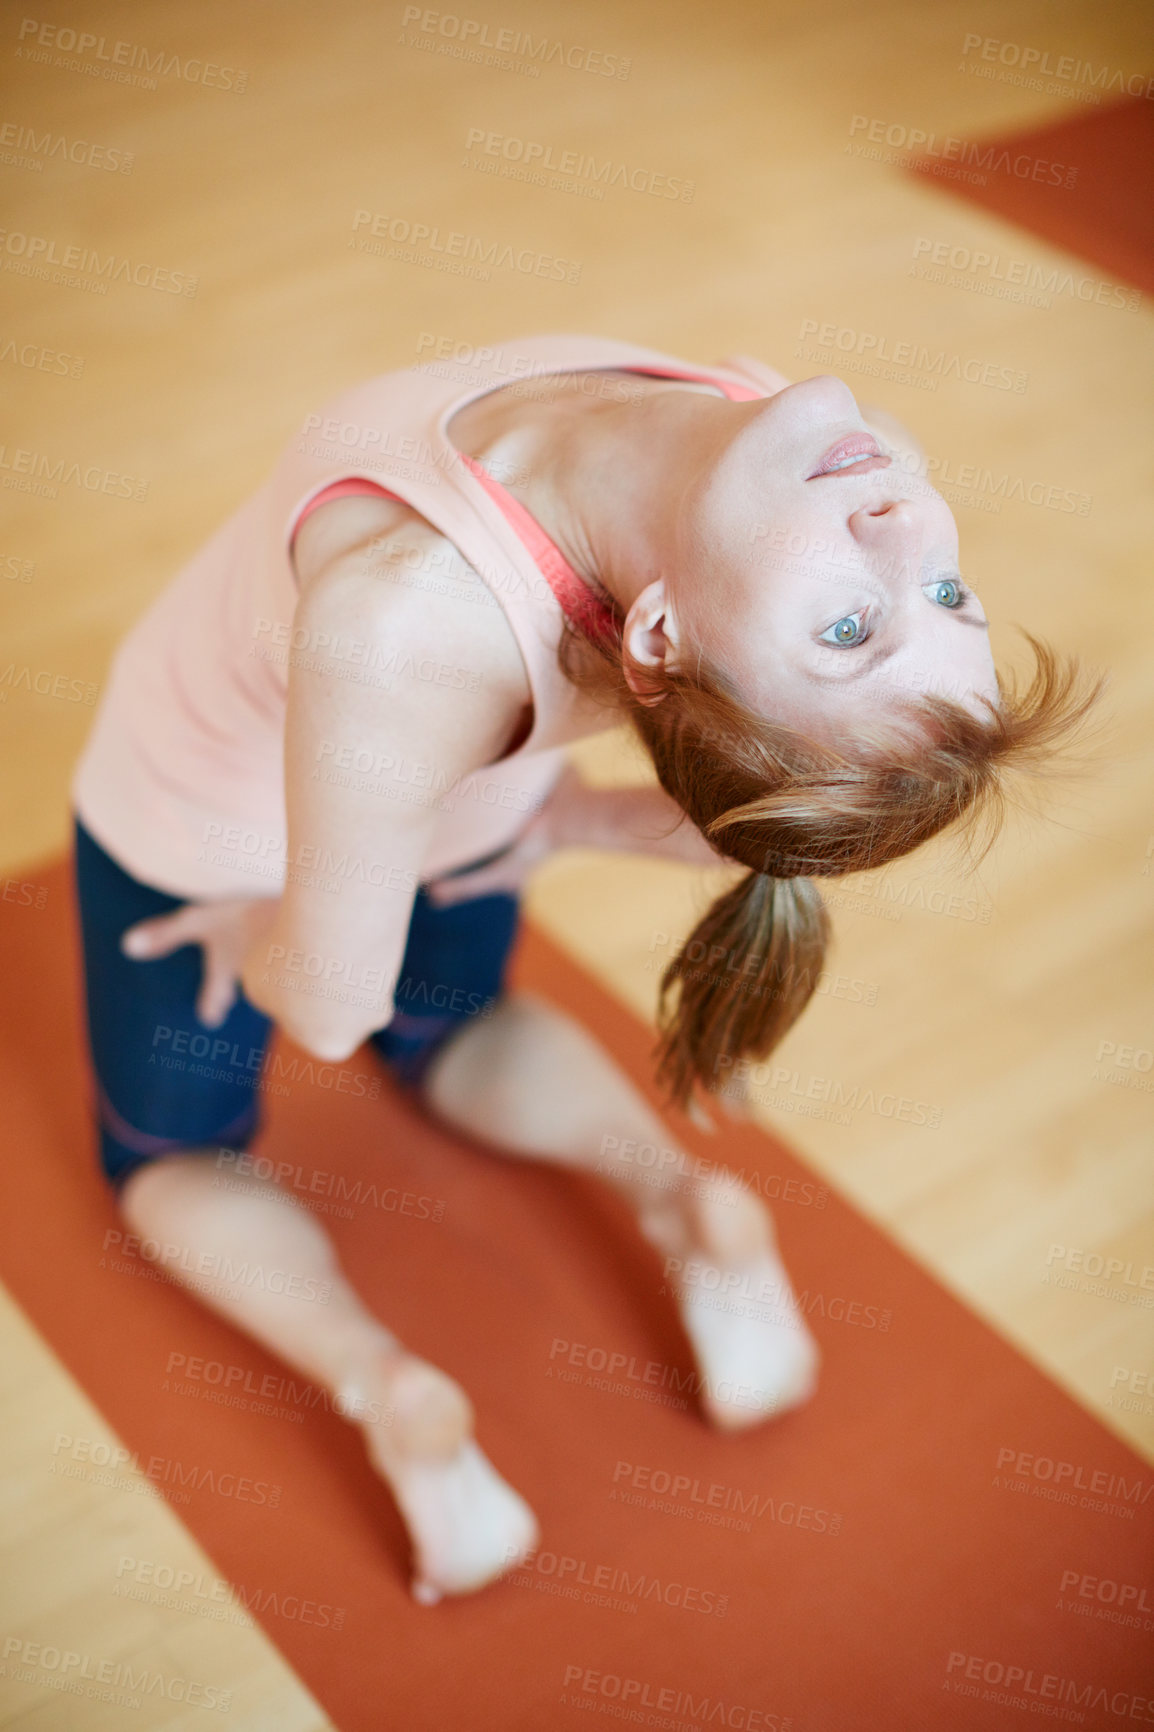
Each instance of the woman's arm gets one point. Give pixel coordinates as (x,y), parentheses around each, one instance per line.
(356,836)
(631,820)
(627,820)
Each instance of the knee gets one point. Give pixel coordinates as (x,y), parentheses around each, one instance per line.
(516,1025)
(170,1182)
(535,1024)
(146,1191)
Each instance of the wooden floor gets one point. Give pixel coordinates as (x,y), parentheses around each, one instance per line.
(996,1001)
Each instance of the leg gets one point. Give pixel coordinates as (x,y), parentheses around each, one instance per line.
(532,1081)
(160,1124)
(466,1524)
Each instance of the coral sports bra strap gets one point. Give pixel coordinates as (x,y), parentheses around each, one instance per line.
(584,609)
(580,605)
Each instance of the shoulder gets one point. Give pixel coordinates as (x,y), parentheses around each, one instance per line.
(379,580)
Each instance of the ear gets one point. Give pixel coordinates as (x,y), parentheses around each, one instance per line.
(649,643)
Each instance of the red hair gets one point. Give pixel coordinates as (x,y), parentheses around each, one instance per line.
(791,810)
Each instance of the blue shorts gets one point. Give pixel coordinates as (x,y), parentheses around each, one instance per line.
(141,1015)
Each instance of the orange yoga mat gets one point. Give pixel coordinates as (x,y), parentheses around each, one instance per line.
(942,1539)
(1083,183)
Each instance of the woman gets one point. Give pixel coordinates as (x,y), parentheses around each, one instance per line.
(333,747)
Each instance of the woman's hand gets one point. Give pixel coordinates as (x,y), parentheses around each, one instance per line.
(225,931)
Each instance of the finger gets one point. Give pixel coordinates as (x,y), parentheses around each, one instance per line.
(149,938)
(217,994)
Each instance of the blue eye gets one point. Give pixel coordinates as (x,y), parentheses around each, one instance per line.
(845,633)
(948,592)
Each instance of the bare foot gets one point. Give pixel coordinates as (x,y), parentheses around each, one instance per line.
(754,1352)
(467,1525)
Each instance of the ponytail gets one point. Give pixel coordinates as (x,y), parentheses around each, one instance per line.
(790,809)
(745,975)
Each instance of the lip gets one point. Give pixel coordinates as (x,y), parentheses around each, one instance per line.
(858,444)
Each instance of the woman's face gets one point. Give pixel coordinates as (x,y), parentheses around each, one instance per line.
(820,574)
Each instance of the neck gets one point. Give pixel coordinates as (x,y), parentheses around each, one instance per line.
(605,479)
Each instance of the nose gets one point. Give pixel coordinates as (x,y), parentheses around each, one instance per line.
(882,520)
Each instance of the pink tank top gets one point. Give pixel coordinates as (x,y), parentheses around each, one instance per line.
(182,778)
(588,612)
